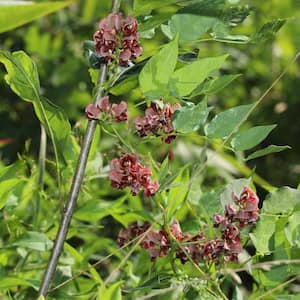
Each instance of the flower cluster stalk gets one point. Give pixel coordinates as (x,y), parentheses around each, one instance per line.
(76,184)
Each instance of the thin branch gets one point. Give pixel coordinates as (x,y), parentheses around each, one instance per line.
(278,287)
(262,97)
(96,264)
(76,184)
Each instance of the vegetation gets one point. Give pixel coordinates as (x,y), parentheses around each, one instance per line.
(164,165)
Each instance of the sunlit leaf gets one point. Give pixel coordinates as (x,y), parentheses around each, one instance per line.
(263,232)
(155,75)
(111,293)
(16,13)
(268,31)
(186,79)
(34,240)
(251,137)
(219,83)
(177,193)
(145,6)
(268,150)
(8,282)
(189,118)
(292,230)
(228,121)
(191,27)
(282,201)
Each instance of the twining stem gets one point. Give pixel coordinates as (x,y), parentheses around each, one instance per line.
(76,184)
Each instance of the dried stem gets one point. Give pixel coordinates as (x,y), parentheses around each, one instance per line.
(76,184)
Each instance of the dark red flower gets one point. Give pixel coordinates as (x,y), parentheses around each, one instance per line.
(130,26)
(104,104)
(117,33)
(119,111)
(92,112)
(127,171)
(157,121)
(157,243)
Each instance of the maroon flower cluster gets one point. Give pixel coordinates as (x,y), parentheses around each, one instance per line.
(196,247)
(118,112)
(157,121)
(157,243)
(127,171)
(117,33)
(234,219)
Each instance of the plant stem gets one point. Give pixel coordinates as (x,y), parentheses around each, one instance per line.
(76,184)
(41,171)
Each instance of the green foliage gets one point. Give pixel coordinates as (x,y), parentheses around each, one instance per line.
(22,76)
(218,84)
(189,118)
(156,74)
(17,13)
(250,138)
(190,27)
(283,204)
(186,79)
(111,293)
(33,240)
(197,173)
(268,31)
(228,121)
(268,150)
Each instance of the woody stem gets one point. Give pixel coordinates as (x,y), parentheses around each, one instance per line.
(76,184)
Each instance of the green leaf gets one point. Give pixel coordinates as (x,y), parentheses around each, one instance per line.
(190,27)
(111,293)
(16,14)
(6,189)
(189,118)
(145,6)
(178,192)
(34,240)
(220,83)
(11,282)
(279,207)
(152,22)
(11,177)
(155,75)
(268,31)
(268,150)
(263,233)
(22,76)
(228,121)
(250,138)
(125,86)
(292,230)
(96,210)
(282,201)
(205,8)
(186,79)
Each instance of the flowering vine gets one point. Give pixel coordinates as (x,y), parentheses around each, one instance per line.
(197,247)
(127,171)
(117,36)
(157,121)
(118,112)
